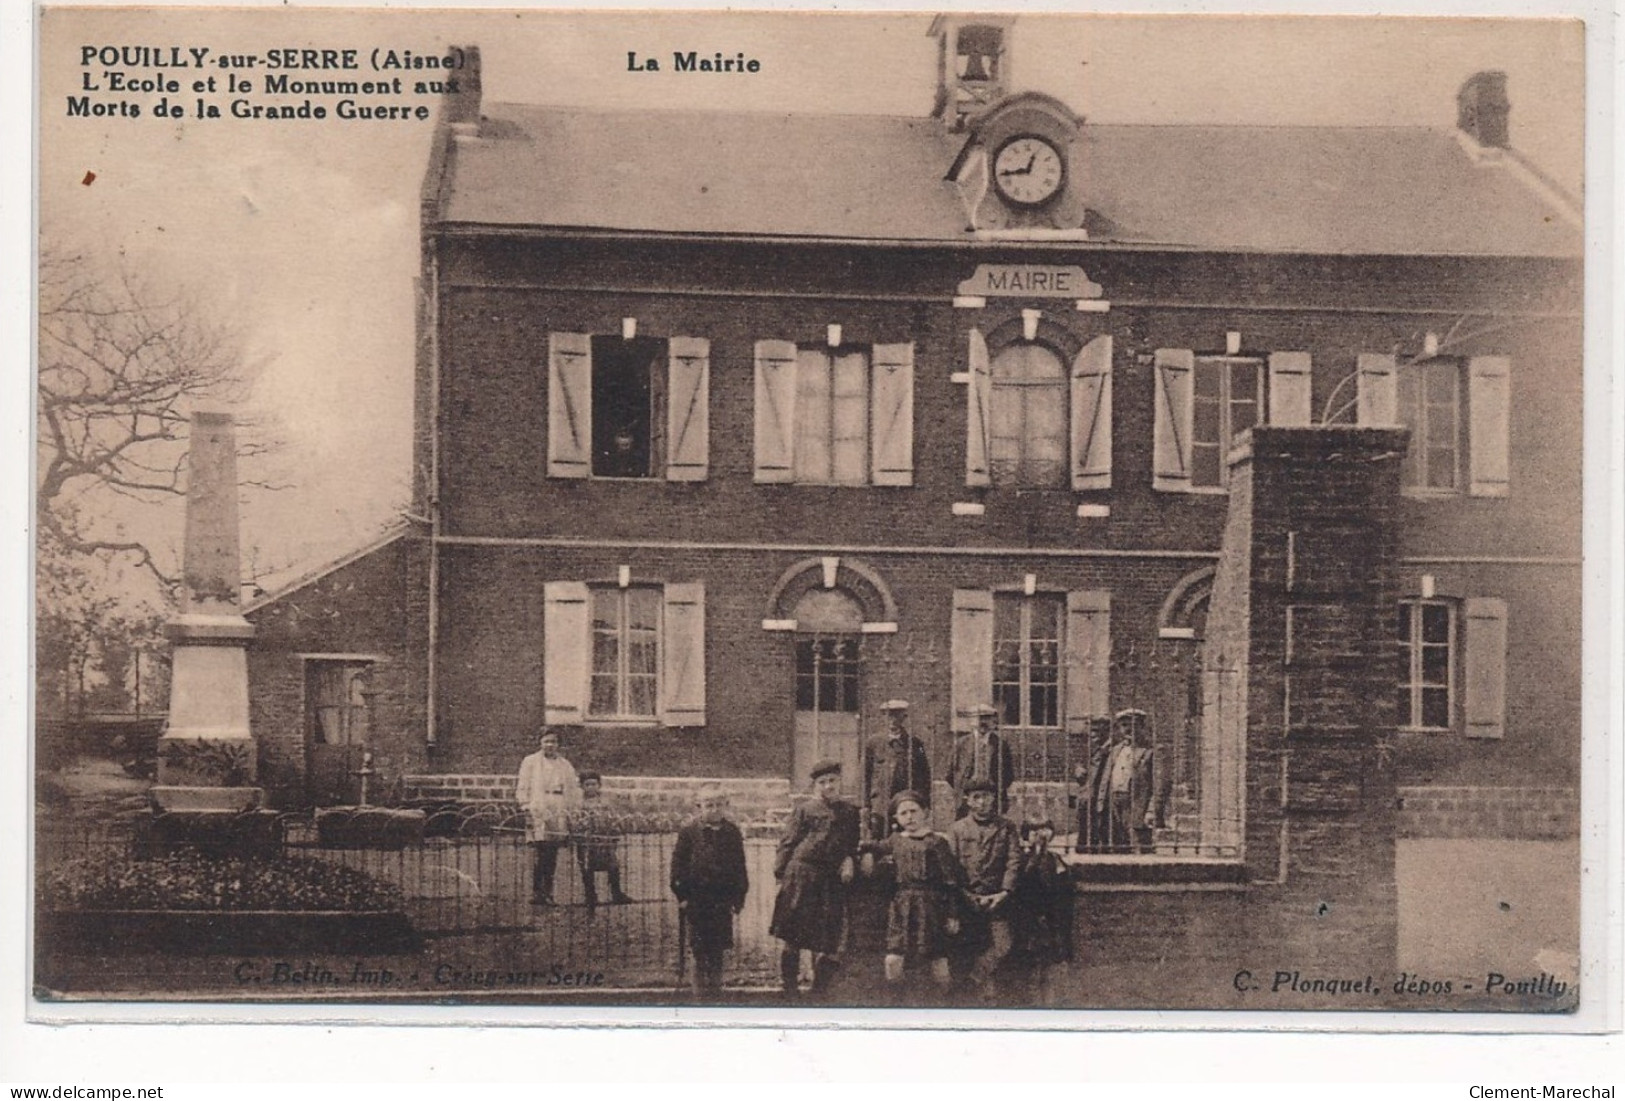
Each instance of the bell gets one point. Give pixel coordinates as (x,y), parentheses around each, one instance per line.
(975,67)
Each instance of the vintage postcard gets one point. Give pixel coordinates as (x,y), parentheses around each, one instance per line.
(810,512)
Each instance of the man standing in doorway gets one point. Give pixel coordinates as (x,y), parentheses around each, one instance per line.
(893,762)
(982,754)
(548,791)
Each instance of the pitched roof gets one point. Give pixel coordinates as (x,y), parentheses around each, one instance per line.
(1354,190)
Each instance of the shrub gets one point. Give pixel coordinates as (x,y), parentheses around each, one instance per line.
(186,880)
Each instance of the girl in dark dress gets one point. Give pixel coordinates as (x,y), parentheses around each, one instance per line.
(814,864)
(929,881)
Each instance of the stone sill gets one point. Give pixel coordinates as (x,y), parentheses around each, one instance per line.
(1134,872)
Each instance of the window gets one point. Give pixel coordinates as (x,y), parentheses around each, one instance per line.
(835,415)
(1430,406)
(625,653)
(1453,657)
(628,400)
(827,674)
(1204,403)
(1427,632)
(335,693)
(1458,412)
(1027,660)
(620,408)
(1227,395)
(832,416)
(614,653)
(1027,434)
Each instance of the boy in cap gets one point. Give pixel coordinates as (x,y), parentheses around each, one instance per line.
(989,850)
(709,879)
(598,839)
(982,754)
(894,762)
(814,863)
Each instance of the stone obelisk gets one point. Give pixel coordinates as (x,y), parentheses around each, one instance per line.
(206,758)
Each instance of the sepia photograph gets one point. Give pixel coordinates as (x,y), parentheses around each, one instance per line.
(810,512)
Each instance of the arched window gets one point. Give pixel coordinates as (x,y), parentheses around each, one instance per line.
(1027,430)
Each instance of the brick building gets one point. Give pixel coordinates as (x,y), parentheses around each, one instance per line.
(730,427)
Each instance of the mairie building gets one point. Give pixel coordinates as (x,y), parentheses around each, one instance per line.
(732,426)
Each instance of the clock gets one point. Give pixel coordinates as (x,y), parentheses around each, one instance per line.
(1028,170)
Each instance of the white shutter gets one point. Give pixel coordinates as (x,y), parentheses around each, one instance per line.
(564,651)
(569,405)
(1171,432)
(971,655)
(978,398)
(682,672)
(1377,391)
(1290,389)
(892,403)
(775,410)
(1092,415)
(1484,665)
(1489,397)
(688,416)
(1088,657)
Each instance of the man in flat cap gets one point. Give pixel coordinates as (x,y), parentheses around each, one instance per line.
(815,861)
(983,754)
(1121,801)
(893,762)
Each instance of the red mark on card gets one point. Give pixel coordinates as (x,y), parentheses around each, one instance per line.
(90,178)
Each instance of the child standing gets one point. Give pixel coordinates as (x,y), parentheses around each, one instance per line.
(921,917)
(598,837)
(709,879)
(814,864)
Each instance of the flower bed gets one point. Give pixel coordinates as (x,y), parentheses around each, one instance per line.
(190,901)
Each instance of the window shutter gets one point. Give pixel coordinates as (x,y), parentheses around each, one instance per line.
(682,672)
(775,410)
(564,652)
(1377,391)
(978,397)
(569,405)
(1484,662)
(1489,380)
(1290,386)
(688,454)
(1092,415)
(971,648)
(1088,657)
(1171,434)
(891,398)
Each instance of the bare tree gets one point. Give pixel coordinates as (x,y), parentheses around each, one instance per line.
(120,367)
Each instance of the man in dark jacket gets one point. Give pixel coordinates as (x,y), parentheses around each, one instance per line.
(893,762)
(982,754)
(1123,797)
(709,879)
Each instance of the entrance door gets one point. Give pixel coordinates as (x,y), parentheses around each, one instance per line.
(828,687)
(337,722)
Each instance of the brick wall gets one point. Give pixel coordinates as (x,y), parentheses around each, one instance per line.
(1514,814)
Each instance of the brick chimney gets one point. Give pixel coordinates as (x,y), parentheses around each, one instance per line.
(1482,108)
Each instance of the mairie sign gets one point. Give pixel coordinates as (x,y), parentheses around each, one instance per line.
(1029,281)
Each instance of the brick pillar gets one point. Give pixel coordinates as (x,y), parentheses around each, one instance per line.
(1302,685)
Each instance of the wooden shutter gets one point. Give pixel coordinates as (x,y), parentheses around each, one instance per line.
(971,654)
(1088,657)
(682,671)
(1484,665)
(569,405)
(775,410)
(891,399)
(688,417)
(1377,391)
(1171,433)
(565,646)
(1290,389)
(978,399)
(1489,396)
(1092,415)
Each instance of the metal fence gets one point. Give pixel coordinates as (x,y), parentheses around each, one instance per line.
(467,873)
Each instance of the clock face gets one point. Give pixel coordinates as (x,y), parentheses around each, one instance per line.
(1028,170)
